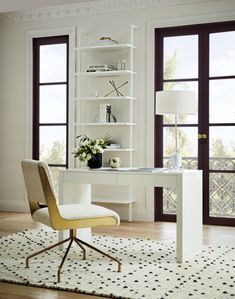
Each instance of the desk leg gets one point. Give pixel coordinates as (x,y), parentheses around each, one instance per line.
(189,216)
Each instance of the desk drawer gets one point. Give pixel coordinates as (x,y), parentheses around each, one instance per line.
(147,179)
(90,178)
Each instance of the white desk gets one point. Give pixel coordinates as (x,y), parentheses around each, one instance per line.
(188,185)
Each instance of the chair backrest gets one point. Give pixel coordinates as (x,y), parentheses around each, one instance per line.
(33,182)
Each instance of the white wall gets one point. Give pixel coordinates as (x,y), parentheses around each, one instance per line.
(13,82)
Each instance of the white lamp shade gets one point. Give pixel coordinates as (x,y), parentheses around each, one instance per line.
(175,102)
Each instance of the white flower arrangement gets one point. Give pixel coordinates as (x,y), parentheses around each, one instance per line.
(87,148)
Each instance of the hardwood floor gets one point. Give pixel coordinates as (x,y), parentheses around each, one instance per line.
(16,222)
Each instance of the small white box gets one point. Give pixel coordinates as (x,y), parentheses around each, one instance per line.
(103,113)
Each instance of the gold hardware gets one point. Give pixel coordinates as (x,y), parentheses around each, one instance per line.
(80,243)
(202,136)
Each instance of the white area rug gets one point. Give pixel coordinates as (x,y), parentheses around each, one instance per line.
(149,268)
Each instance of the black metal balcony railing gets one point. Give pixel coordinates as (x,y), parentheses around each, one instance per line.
(221,187)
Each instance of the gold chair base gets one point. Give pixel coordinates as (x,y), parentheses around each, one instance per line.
(79,243)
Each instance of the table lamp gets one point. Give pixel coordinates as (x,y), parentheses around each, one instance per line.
(177,102)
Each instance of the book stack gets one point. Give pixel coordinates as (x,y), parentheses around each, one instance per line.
(100,68)
(113,146)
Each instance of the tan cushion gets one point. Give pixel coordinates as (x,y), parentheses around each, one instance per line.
(75,211)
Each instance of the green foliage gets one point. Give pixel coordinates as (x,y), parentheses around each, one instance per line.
(55,155)
(233,147)
(218,149)
(170,68)
(88,148)
(184,144)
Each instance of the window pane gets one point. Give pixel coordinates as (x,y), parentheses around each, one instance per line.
(222,148)
(53,104)
(180,57)
(53,63)
(187,144)
(53,144)
(222,195)
(222,54)
(169,201)
(222,101)
(184,85)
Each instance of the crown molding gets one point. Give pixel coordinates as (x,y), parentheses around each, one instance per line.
(88,8)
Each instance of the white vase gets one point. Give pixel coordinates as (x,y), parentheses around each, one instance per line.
(176,161)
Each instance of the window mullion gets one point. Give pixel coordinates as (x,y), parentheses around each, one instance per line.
(203,97)
(35,137)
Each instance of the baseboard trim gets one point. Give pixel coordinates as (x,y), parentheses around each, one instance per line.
(13,206)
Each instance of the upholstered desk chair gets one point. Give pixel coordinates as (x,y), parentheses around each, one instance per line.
(45,209)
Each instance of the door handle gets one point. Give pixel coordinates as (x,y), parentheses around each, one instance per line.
(202,136)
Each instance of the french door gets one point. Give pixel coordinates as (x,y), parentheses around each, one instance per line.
(199,58)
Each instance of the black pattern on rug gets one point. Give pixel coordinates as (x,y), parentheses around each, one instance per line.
(149,268)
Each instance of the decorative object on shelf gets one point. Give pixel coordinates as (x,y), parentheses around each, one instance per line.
(110,118)
(96,161)
(116,89)
(108,39)
(121,64)
(118,65)
(115,162)
(105,114)
(104,41)
(88,149)
(175,102)
(102,113)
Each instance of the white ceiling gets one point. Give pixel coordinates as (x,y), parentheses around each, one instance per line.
(18,5)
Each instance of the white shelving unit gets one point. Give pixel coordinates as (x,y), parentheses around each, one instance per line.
(86,118)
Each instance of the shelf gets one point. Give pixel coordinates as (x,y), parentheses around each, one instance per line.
(113,47)
(105,98)
(115,201)
(106,124)
(119,150)
(106,73)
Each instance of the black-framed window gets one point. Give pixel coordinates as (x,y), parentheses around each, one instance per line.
(50,100)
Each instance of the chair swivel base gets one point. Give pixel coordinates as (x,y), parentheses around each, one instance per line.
(79,243)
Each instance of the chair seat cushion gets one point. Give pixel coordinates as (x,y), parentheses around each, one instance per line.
(75,212)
